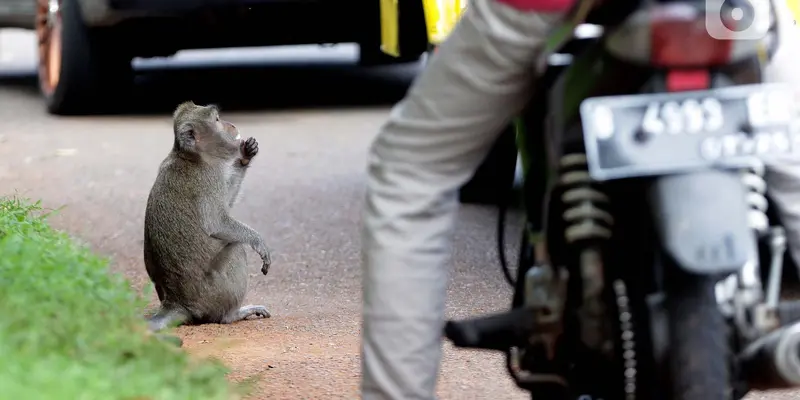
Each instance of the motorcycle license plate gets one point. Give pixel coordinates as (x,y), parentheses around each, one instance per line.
(665,133)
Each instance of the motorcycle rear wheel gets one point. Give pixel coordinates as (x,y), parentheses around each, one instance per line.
(699,355)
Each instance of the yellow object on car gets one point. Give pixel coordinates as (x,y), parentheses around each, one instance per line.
(440,18)
(390,21)
(794,7)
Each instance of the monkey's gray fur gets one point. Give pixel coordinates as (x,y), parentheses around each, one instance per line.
(194,250)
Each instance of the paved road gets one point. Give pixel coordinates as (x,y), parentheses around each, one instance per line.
(314,120)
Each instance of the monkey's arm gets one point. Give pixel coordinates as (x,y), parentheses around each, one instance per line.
(229,230)
(235,182)
(249,149)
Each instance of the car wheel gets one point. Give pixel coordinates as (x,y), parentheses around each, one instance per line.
(80,70)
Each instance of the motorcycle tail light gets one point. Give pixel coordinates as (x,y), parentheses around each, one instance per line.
(679,80)
(682,41)
(674,35)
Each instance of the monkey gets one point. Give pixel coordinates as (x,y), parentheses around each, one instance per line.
(194,250)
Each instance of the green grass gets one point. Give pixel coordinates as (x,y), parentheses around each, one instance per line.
(69,330)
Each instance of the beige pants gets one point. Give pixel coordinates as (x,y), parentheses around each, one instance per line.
(433,142)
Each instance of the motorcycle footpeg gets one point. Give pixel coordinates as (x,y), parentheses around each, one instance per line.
(493,332)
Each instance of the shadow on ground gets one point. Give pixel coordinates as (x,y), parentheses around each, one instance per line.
(252,85)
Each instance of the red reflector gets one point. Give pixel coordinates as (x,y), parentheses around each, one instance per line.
(676,42)
(540,5)
(683,80)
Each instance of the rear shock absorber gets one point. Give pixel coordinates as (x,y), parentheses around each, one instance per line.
(751,291)
(588,221)
(753,179)
(585,214)
(773,312)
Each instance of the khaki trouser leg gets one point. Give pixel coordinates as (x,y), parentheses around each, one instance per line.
(433,142)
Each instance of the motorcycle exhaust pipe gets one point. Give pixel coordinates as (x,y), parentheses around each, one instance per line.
(773,361)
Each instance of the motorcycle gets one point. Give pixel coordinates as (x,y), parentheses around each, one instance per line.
(663,266)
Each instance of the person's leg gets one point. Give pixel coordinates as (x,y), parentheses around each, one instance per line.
(783,178)
(434,140)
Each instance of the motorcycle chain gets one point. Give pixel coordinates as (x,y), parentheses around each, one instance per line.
(628,340)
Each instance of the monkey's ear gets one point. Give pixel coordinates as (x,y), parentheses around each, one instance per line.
(185,136)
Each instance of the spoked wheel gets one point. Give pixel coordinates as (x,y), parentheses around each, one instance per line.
(80,69)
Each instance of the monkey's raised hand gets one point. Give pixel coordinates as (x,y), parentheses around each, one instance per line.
(249,149)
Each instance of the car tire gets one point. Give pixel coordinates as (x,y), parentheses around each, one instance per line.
(81,70)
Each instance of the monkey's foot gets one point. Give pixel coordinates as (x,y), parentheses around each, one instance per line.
(246,312)
(172,339)
(165,318)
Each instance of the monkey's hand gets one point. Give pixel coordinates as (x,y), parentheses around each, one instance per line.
(266,261)
(249,149)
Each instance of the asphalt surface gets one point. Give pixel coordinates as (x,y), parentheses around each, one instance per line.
(314,115)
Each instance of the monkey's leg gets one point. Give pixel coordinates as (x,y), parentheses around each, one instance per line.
(245,312)
(159,292)
(167,317)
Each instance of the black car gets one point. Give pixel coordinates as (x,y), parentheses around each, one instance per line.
(86,46)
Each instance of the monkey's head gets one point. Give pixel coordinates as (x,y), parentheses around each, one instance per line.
(200,132)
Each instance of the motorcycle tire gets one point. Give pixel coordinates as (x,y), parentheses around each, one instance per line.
(699,355)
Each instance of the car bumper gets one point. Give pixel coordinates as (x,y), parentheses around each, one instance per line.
(174,6)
